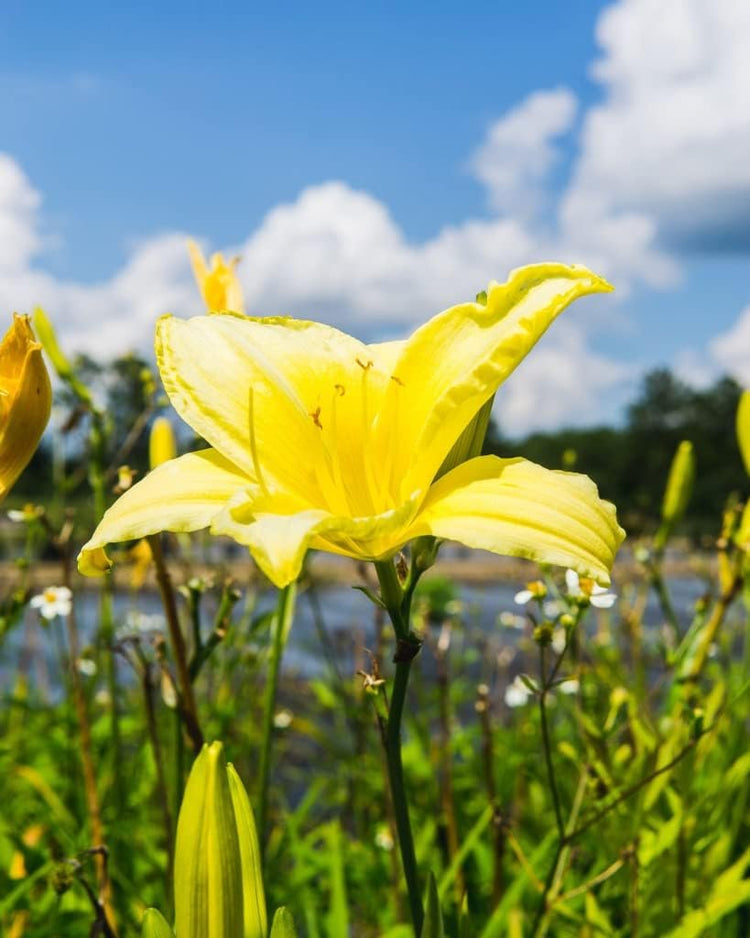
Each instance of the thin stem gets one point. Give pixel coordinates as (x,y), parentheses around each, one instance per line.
(188,707)
(161,782)
(281,625)
(547,744)
(406,649)
(87,759)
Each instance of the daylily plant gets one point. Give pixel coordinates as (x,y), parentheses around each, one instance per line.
(25,400)
(320,441)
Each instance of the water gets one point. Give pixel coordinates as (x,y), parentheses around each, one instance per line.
(347,614)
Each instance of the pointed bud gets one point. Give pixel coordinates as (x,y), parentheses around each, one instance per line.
(677,493)
(48,337)
(283,924)
(161,444)
(154,925)
(254,899)
(208,863)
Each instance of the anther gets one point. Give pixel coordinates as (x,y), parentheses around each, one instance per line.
(364,365)
(398,380)
(340,389)
(316,418)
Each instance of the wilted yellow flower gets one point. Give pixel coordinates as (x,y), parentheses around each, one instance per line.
(218,284)
(320,441)
(25,400)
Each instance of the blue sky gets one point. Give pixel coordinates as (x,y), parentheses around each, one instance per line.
(347,152)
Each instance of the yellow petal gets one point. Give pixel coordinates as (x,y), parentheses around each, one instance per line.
(514,507)
(25,400)
(456,361)
(278,542)
(275,396)
(184,494)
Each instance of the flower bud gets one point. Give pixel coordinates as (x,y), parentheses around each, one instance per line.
(283,924)
(154,925)
(677,493)
(680,483)
(217,876)
(161,444)
(208,863)
(48,337)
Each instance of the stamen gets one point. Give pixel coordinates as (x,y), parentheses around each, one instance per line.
(370,480)
(340,389)
(254,444)
(365,366)
(398,380)
(316,418)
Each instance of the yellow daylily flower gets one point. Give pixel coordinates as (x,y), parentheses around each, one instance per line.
(219,285)
(25,400)
(320,441)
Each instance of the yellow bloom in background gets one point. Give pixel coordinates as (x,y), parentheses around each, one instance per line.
(25,400)
(320,441)
(218,283)
(161,443)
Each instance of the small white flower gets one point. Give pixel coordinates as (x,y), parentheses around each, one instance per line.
(511,621)
(517,693)
(571,686)
(283,719)
(28,513)
(534,590)
(586,589)
(86,666)
(54,601)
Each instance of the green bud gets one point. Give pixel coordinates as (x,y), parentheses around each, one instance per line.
(46,334)
(283,924)
(208,876)
(254,899)
(543,633)
(154,925)
(678,491)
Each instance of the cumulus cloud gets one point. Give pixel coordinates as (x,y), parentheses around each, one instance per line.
(661,162)
(515,159)
(732,349)
(670,142)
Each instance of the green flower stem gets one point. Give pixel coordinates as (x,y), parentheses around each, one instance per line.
(546,743)
(407,647)
(282,624)
(187,705)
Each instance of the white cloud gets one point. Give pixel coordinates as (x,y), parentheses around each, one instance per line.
(671,140)
(562,383)
(732,349)
(518,153)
